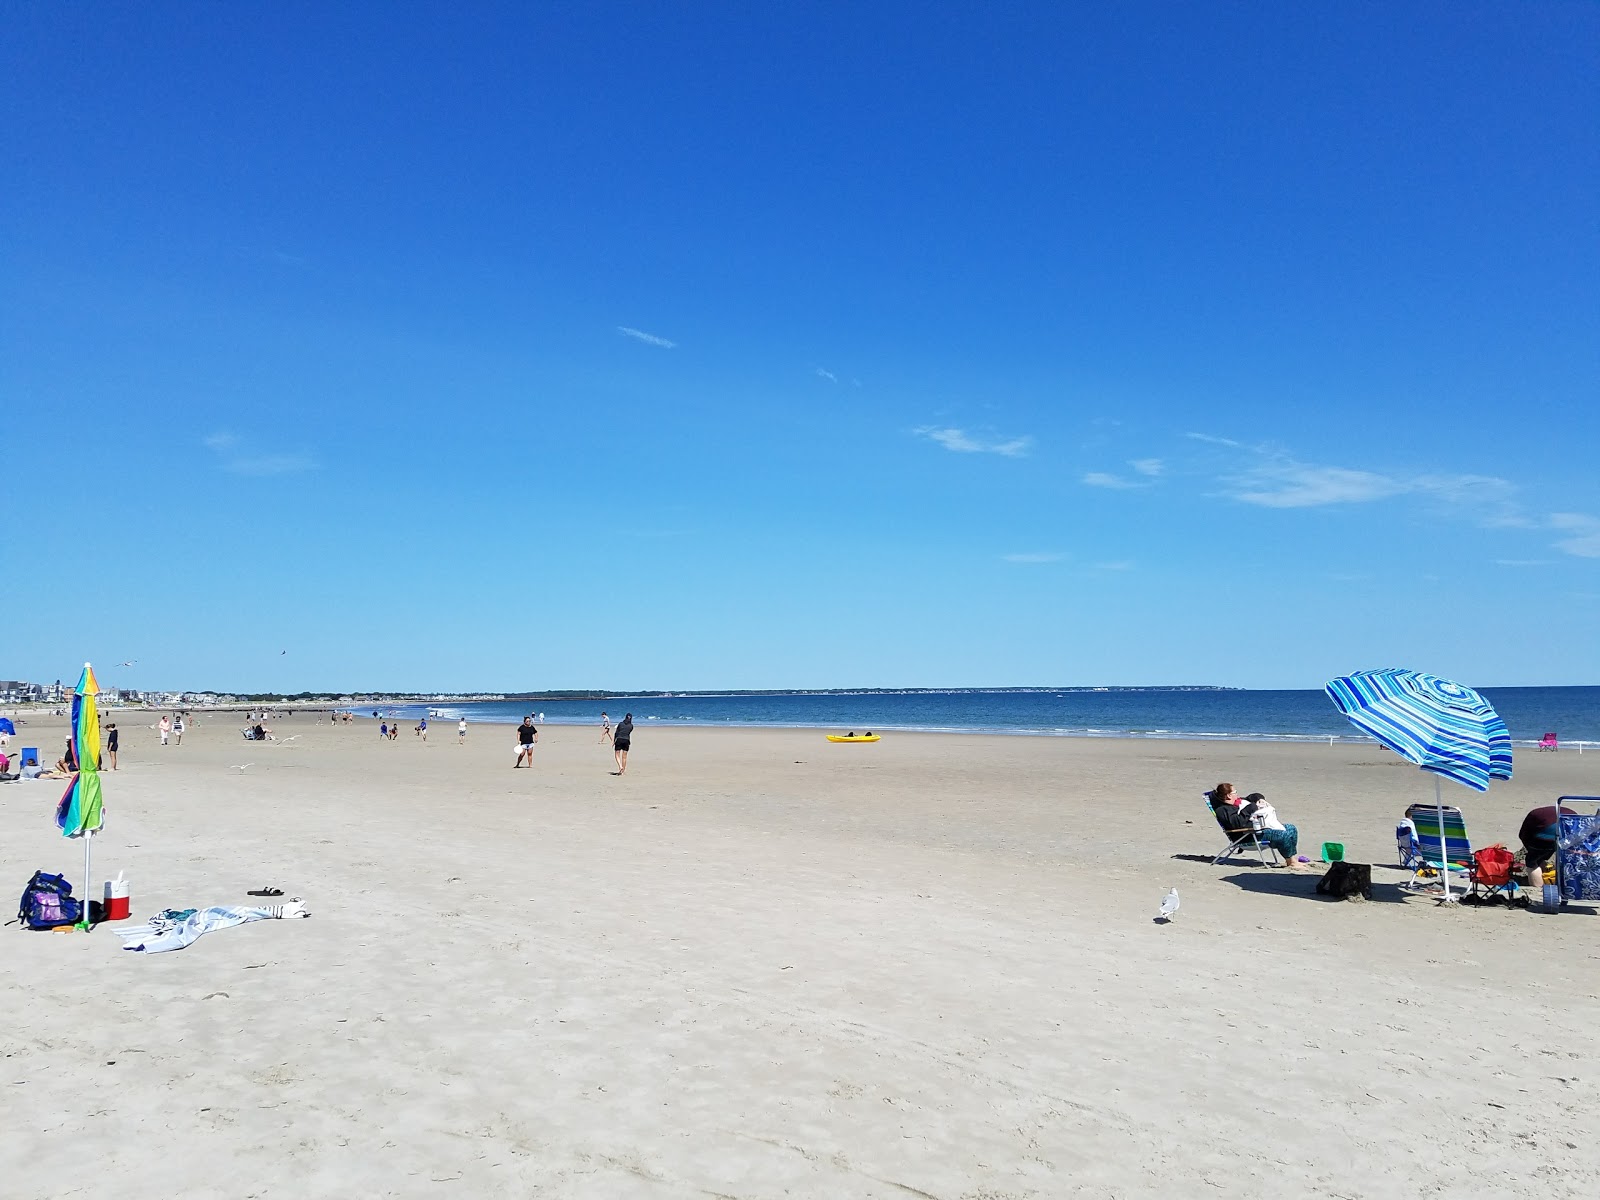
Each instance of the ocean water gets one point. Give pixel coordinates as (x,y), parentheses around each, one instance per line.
(1573,713)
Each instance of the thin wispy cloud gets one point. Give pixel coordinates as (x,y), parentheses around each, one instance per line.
(1583,532)
(234,456)
(1039,556)
(1212,439)
(828,375)
(649,339)
(1522,562)
(961,442)
(1285,483)
(1101,479)
(1147,470)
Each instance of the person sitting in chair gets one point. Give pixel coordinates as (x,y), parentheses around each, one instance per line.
(1285,839)
(1239,817)
(1225,803)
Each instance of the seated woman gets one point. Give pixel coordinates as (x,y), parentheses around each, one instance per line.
(1285,839)
(1225,803)
(1238,817)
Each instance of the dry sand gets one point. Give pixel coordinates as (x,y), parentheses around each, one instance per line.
(761,965)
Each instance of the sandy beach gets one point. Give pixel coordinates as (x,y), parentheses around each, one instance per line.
(760,965)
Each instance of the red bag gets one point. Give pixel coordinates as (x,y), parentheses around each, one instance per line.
(1493,866)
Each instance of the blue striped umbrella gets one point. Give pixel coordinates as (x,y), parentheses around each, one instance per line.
(1441,726)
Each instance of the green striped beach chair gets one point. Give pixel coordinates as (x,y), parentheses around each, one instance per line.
(1437,847)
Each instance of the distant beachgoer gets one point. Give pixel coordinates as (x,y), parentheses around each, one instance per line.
(527,737)
(177,729)
(383,730)
(111,744)
(69,760)
(621,740)
(461,732)
(165,726)
(394,731)
(422,728)
(605,727)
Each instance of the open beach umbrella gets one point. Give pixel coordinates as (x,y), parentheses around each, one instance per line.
(1441,726)
(7,727)
(79,812)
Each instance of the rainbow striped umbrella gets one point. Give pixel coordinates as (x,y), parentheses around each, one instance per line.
(79,813)
(1441,726)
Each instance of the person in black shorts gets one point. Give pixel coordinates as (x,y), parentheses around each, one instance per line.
(620,740)
(527,736)
(111,744)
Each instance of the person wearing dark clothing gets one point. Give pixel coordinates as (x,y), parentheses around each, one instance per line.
(1539,831)
(527,737)
(621,739)
(112,741)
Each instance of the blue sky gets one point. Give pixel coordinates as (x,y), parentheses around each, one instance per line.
(800,345)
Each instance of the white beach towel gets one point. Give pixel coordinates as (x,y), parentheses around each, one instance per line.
(173,929)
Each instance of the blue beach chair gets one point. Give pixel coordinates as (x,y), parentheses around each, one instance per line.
(1437,848)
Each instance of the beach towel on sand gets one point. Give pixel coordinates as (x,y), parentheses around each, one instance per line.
(175,928)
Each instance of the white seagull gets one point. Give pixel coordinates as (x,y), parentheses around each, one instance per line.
(1169,906)
(240,767)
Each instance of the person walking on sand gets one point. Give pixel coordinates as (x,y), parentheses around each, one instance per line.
(111,744)
(383,730)
(177,730)
(461,732)
(527,737)
(165,728)
(621,740)
(605,727)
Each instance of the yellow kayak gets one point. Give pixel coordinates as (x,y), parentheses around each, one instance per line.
(854,737)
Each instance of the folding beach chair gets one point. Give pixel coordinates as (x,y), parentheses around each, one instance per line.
(1491,876)
(1244,838)
(1548,742)
(1438,848)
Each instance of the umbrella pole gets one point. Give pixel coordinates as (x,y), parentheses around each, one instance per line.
(1444,842)
(88,843)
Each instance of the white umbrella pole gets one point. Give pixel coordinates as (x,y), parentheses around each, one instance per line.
(1444,841)
(88,842)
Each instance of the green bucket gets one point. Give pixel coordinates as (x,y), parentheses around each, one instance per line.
(1332,852)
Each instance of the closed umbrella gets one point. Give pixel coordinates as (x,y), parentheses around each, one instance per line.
(1443,727)
(79,812)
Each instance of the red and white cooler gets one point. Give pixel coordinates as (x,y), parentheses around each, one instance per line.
(116,901)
